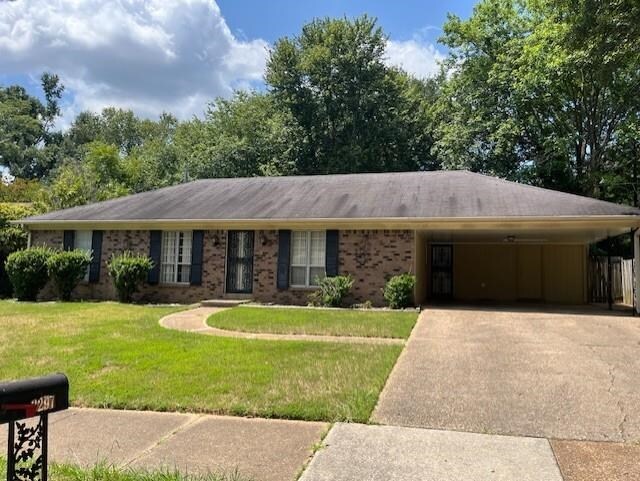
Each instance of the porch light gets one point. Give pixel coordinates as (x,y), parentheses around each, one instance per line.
(510,238)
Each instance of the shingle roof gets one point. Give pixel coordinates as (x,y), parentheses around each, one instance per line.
(423,195)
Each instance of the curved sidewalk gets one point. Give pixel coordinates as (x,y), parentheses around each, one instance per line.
(195,320)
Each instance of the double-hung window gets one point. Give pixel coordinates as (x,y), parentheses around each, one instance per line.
(82,240)
(175,262)
(308,251)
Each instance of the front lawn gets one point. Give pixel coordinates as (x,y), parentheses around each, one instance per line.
(334,322)
(118,356)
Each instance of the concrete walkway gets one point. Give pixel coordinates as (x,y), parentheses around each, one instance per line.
(260,449)
(392,453)
(195,320)
(386,453)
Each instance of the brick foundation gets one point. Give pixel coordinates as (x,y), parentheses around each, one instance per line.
(371,257)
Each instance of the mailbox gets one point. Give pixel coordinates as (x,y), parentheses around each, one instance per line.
(27,446)
(33,397)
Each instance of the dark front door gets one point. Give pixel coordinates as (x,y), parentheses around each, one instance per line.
(240,262)
(441,271)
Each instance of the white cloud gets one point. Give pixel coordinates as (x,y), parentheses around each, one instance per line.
(415,56)
(150,56)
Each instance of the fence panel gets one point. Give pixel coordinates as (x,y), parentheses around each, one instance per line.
(627,281)
(599,279)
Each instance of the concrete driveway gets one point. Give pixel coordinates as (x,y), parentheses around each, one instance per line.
(558,374)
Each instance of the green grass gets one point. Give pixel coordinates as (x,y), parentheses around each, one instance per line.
(118,356)
(334,322)
(104,472)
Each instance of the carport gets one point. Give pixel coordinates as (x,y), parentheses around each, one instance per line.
(530,260)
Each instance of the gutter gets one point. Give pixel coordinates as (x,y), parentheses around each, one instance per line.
(434,223)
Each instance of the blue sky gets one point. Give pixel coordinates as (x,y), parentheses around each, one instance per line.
(401,19)
(154,56)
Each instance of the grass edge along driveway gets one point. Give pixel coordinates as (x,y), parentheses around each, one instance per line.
(118,356)
(106,472)
(315,321)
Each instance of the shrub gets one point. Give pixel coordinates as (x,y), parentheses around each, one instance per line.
(66,269)
(12,237)
(331,291)
(398,292)
(27,271)
(128,272)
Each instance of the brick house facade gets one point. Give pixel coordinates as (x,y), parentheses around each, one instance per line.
(465,236)
(371,257)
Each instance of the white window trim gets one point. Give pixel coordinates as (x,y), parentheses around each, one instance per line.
(88,251)
(308,266)
(176,264)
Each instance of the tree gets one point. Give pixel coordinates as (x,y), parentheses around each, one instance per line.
(353,111)
(99,175)
(113,126)
(21,190)
(243,136)
(539,90)
(27,143)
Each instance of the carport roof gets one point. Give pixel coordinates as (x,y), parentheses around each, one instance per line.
(407,195)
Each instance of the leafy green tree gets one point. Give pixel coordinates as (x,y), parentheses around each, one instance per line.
(539,90)
(22,190)
(27,142)
(155,162)
(353,111)
(243,136)
(99,175)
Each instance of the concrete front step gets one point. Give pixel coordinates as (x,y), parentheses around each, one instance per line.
(223,302)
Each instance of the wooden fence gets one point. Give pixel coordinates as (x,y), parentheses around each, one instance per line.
(621,276)
(627,282)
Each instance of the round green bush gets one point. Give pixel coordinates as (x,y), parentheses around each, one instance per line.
(128,272)
(398,292)
(331,291)
(67,269)
(27,271)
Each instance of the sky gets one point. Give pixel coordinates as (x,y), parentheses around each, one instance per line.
(177,55)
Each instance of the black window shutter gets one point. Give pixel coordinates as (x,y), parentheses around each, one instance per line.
(96,253)
(155,247)
(195,277)
(284,252)
(68,240)
(331,257)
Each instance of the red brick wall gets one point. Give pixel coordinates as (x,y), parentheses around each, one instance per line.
(370,256)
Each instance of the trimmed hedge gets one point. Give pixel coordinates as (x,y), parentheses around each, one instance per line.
(67,269)
(28,272)
(331,291)
(398,292)
(128,272)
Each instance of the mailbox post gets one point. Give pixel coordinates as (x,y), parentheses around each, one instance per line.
(27,446)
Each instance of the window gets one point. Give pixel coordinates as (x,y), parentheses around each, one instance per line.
(82,241)
(307,258)
(175,262)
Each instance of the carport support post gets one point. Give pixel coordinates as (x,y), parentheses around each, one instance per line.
(609,274)
(636,271)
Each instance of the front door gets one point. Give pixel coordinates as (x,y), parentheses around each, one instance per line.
(441,271)
(240,262)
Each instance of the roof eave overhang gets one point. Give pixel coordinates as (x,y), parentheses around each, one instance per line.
(589,222)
